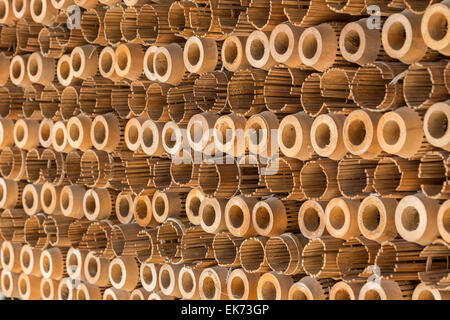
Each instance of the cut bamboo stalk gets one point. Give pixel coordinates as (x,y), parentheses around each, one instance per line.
(434,25)
(42,11)
(400,260)
(200,55)
(96,270)
(318,180)
(159,296)
(309,288)
(34,234)
(341,218)
(12,222)
(355,177)
(200,131)
(10,256)
(284,253)
(282,89)
(284,43)
(86,291)
(107,132)
(12,164)
(29,260)
(226,249)
(257,50)
(355,255)
(66,289)
(345,290)
(75,262)
(402,38)
(76,232)
(168,63)
(168,279)
(193,201)
(9,284)
(29,287)
(396,177)
(424,84)
(153,25)
(401,132)
(416,219)
(424,292)
(376,218)
(78,132)
(48,289)
(210,91)
(151,140)
(45,133)
(71,201)
(31,202)
(17,70)
(106,64)
(168,205)
(261,134)
(60,137)
(179,18)
(116,294)
(92,23)
(54,171)
(311,219)
(133,133)
(273,217)
(143,213)
(294,136)
(149,276)
(40,69)
(69,105)
(188,283)
(273,286)
(242,285)
(245,92)
(382,80)
(233,53)
(319,257)
(124,273)
(124,207)
(238,212)
(212,283)
(435,125)
(327,136)
(319,46)
(52,263)
(98,203)
(433,174)
(49,198)
(21,9)
(26,134)
(84,61)
(252,255)
(181,105)
(212,215)
(443,220)
(128,61)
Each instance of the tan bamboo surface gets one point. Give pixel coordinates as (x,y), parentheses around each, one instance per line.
(225,149)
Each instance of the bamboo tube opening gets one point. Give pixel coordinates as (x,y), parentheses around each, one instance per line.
(434,26)
(168,64)
(272,286)
(341,218)
(156,102)
(18,71)
(129,25)
(106,64)
(49,198)
(143,213)
(9,284)
(107,132)
(233,53)
(211,284)
(71,199)
(416,219)
(60,141)
(124,273)
(31,198)
(345,291)
(10,256)
(385,290)
(187,282)
(443,220)
(183,171)
(128,61)
(260,134)
(273,217)
(149,66)
(376,218)
(228,134)
(193,201)
(46,133)
(402,38)
(116,294)
(52,263)
(168,276)
(40,69)
(151,141)
(436,125)
(85,291)
(48,288)
(149,276)
(311,219)
(257,50)
(20,8)
(309,288)
(29,258)
(200,55)
(284,253)
(75,263)
(96,269)
(66,290)
(327,136)
(355,177)
(400,132)
(97,204)
(200,130)
(26,134)
(212,215)
(124,207)
(242,285)
(238,214)
(78,132)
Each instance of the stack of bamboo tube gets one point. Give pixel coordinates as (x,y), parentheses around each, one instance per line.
(225,149)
